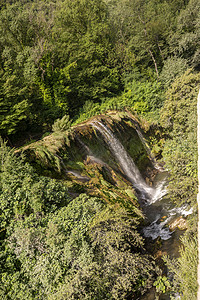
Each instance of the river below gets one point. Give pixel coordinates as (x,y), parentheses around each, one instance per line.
(159,213)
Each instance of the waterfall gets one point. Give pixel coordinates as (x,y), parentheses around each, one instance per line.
(128,166)
(90,155)
(158,210)
(84,147)
(155,164)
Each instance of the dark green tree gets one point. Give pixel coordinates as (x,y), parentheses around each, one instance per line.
(178,117)
(82,251)
(185,40)
(84,38)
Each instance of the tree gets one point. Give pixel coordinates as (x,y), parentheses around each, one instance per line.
(23,192)
(54,56)
(185,40)
(19,93)
(184,269)
(84,37)
(62,249)
(144,27)
(198,195)
(179,118)
(180,150)
(173,67)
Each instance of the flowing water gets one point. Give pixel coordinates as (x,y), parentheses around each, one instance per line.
(126,163)
(158,210)
(161,212)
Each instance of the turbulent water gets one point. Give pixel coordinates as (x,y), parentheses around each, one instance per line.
(158,211)
(128,166)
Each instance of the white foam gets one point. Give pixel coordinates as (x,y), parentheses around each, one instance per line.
(159,191)
(183,211)
(127,164)
(155,229)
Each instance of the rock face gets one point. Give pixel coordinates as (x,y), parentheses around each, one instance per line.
(84,159)
(179,223)
(70,150)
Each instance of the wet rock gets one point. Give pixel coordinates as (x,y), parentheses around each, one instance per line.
(74,174)
(179,223)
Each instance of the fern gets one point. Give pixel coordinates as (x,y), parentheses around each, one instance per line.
(47,157)
(62,125)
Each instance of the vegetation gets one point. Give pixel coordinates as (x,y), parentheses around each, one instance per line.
(184,276)
(58,248)
(180,122)
(62,62)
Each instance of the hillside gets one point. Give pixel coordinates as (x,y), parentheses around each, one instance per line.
(98,156)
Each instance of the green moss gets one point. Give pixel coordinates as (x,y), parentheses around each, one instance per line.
(130,194)
(76,165)
(107,180)
(104,182)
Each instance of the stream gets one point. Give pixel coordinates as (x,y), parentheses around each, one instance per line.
(158,210)
(159,214)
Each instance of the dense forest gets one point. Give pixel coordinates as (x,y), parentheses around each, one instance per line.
(134,64)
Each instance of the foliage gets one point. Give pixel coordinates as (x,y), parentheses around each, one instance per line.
(59,260)
(61,125)
(161,284)
(173,67)
(53,247)
(184,269)
(185,40)
(64,61)
(23,192)
(179,120)
(20,55)
(46,152)
(143,97)
(60,61)
(80,52)
(178,117)
(144,27)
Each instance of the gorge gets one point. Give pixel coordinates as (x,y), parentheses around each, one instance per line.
(98,149)
(109,157)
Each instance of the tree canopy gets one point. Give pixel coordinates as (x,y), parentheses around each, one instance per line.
(62,62)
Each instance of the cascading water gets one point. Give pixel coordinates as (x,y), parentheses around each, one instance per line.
(129,168)
(155,209)
(159,211)
(158,226)
(147,148)
(83,146)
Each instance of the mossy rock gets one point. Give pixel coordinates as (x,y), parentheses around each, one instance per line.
(131,194)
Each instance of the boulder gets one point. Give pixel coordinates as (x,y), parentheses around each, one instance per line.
(179,223)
